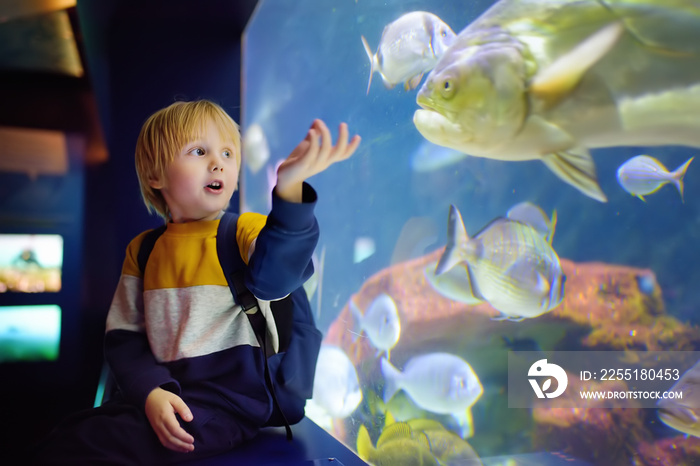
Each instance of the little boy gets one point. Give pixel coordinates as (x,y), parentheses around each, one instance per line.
(183,354)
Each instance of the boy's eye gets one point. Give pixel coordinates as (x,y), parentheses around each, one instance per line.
(197,151)
(227,154)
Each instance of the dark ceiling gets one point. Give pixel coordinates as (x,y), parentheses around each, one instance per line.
(61,63)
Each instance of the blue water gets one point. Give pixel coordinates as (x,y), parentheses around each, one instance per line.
(304,60)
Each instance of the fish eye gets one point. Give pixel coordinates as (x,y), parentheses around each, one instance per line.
(447,89)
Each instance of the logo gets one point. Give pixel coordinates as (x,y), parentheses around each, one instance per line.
(542,368)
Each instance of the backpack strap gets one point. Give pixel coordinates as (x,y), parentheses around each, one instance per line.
(230,257)
(149,240)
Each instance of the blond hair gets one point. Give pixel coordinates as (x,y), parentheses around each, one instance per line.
(164,134)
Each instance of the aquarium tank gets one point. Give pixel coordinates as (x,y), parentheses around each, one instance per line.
(507,267)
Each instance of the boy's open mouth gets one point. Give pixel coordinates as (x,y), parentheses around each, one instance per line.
(215,185)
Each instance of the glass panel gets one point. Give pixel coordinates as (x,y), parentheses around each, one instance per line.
(423,342)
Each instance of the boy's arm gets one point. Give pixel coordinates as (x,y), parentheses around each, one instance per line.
(278,248)
(126,346)
(281,261)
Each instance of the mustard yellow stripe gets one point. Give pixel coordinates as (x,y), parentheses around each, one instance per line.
(247,229)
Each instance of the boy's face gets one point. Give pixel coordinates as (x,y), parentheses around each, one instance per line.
(199,182)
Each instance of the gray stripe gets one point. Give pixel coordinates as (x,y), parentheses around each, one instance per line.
(194,321)
(124,312)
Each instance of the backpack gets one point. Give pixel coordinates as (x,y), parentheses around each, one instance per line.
(289,374)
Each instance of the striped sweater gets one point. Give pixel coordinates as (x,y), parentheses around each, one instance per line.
(177,326)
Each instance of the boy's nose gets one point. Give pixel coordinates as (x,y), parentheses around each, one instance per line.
(214,166)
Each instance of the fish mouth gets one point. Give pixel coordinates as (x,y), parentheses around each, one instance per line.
(216,186)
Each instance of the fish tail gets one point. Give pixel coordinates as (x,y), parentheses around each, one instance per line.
(364,443)
(370,55)
(678,175)
(391,374)
(456,235)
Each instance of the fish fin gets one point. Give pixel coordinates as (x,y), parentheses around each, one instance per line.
(465,422)
(456,235)
(678,175)
(515,319)
(640,197)
(364,443)
(370,55)
(388,419)
(561,77)
(552,227)
(455,284)
(501,317)
(413,82)
(390,374)
(524,275)
(577,168)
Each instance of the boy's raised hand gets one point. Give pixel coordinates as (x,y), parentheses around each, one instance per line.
(313,155)
(161,407)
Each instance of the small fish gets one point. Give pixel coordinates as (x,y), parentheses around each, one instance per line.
(409,47)
(364,248)
(437,382)
(255,149)
(336,385)
(381,322)
(510,265)
(683,414)
(642,175)
(646,282)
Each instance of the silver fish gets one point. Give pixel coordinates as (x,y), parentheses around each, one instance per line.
(511,265)
(437,382)
(336,385)
(683,414)
(380,322)
(549,80)
(410,46)
(642,175)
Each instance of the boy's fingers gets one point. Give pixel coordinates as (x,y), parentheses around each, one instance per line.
(182,409)
(342,140)
(352,147)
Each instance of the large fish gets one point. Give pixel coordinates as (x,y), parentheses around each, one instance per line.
(510,264)
(551,79)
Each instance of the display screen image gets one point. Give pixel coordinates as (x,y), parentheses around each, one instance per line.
(29,333)
(30,263)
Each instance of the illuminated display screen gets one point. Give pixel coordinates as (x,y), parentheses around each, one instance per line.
(30,263)
(29,333)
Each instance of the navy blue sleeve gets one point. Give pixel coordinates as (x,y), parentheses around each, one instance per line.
(134,367)
(282,261)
